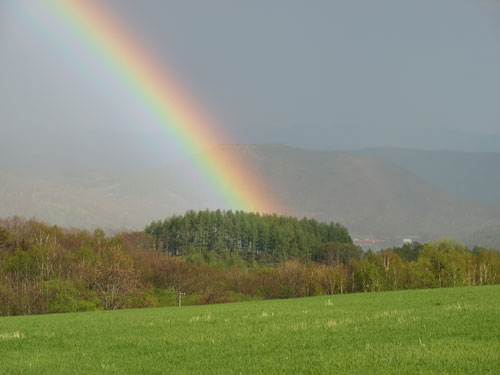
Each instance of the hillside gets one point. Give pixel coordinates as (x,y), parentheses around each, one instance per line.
(448,331)
(472,175)
(91,198)
(370,196)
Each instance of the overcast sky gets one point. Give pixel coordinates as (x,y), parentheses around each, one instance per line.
(317,74)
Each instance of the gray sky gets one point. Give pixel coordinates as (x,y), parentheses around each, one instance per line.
(321,74)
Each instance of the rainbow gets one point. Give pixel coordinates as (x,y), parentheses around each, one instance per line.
(230,176)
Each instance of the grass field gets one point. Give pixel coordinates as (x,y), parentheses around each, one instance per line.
(423,331)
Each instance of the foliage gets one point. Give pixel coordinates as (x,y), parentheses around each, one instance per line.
(333,253)
(253,235)
(47,269)
(409,252)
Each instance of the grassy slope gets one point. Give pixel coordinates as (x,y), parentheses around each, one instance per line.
(426,331)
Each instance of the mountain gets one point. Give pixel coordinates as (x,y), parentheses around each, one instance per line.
(472,175)
(91,198)
(372,197)
(355,137)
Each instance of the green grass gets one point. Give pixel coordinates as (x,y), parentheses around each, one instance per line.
(423,331)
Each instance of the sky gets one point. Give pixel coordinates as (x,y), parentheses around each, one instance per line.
(313,74)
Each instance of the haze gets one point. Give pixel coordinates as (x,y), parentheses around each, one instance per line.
(323,75)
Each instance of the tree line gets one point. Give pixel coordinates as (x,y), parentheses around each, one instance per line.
(48,269)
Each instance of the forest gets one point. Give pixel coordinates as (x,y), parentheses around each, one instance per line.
(214,257)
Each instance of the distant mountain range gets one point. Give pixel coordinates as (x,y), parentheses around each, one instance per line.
(472,175)
(386,194)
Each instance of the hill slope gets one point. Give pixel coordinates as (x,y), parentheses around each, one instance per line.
(472,175)
(91,198)
(453,330)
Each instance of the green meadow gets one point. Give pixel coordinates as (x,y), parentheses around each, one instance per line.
(454,330)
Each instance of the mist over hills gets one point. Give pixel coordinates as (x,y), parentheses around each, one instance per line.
(126,150)
(357,137)
(91,198)
(372,197)
(472,175)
